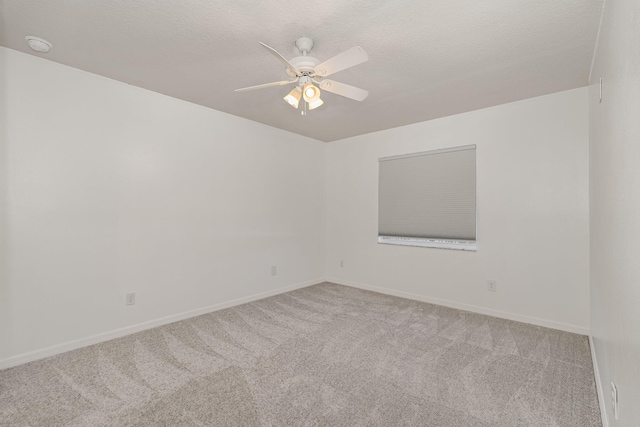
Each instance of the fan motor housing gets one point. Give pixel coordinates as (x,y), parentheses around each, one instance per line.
(305,64)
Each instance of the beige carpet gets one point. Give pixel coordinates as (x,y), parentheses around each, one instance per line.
(323,355)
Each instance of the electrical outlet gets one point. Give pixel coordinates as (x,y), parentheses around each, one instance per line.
(492,286)
(341,263)
(274,270)
(130,298)
(614,399)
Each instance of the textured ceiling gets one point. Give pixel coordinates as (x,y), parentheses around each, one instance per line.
(427,58)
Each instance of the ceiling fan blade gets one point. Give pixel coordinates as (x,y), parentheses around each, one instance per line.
(344,90)
(354,56)
(282,83)
(281,58)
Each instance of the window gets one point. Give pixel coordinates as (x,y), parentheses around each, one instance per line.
(429,199)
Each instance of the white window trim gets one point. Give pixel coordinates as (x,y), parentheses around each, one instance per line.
(461,245)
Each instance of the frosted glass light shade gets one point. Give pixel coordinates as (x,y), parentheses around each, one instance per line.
(315,104)
(310,92)
(293,98)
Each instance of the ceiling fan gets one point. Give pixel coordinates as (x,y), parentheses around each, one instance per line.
(309,74)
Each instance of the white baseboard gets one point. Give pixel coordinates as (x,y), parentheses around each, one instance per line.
(469,307)
(128,330)
(599,389)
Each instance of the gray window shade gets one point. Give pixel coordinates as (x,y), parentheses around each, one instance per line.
(429,195)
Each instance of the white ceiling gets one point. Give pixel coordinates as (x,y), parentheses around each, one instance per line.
(427,58)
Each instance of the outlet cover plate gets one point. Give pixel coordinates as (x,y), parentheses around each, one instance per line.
(130,298)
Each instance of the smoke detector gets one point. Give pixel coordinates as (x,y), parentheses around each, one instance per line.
(38,44)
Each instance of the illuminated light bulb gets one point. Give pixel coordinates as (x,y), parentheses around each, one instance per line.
(311,93)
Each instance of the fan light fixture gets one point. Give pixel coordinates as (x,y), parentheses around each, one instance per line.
(315,104)
(294,97)
(310,92)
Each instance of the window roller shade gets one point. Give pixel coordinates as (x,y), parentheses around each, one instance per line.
(429,195)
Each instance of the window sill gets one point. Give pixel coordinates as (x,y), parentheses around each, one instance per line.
(460,245)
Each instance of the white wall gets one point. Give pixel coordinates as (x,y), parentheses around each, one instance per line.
(108,188)
(4,295)
(112,189)
(615,207)
(532,198)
